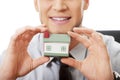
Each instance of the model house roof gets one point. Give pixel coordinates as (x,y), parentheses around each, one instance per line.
(64,38)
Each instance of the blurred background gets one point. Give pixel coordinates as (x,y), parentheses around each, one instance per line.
(101,15)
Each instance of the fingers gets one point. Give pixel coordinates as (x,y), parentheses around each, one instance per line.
(80,38)
(72,62)
(86,36)
(26,33)
(28,30)
(39,61)
(98,38)
(83,30)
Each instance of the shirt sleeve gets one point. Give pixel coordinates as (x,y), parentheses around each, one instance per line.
(113,51)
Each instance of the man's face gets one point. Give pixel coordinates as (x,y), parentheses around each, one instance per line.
(61,16)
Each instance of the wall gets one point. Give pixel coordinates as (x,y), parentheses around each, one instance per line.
(101,15)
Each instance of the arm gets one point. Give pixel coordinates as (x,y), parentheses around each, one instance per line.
(17,62)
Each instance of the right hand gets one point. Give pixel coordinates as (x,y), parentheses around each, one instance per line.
(17,62)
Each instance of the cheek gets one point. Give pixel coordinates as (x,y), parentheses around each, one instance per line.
(44,13)
(77,18)
(77,14)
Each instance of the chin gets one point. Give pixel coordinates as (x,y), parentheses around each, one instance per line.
(58,32)
(61,29)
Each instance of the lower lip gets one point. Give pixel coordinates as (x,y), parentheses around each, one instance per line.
(60,22)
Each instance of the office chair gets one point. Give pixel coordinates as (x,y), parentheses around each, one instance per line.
(114,33)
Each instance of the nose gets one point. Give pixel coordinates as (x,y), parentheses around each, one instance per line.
(59,5)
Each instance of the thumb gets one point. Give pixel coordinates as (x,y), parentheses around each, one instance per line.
(72,62)
(39,61)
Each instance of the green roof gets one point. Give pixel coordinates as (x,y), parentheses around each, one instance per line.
(58,38)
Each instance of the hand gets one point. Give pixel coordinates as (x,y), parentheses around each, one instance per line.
(17,61)
(96,66)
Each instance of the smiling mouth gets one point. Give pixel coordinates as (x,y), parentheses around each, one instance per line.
(60,18)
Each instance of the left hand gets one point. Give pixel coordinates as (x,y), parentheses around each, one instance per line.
(17,62)
(96,66)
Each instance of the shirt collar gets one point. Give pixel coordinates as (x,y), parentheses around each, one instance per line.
(79,52)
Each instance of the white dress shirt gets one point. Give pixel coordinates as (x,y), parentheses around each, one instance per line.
(50,70)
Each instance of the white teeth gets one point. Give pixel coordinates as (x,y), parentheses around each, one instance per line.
(59,19)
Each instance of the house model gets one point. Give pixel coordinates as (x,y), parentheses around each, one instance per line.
(56,44)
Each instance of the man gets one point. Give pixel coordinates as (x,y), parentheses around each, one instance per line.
(23,58)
